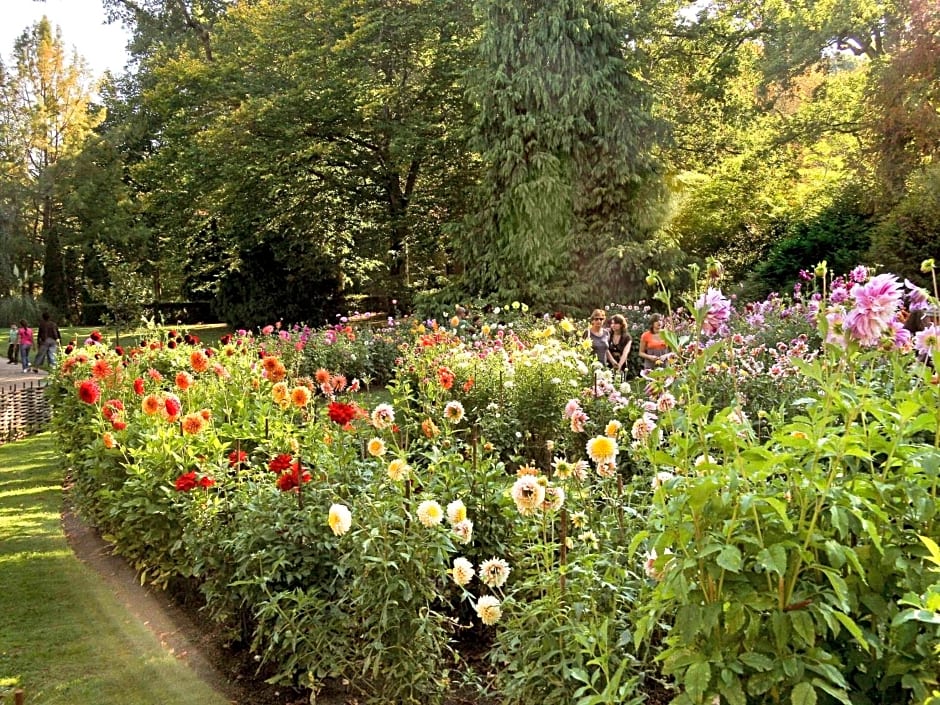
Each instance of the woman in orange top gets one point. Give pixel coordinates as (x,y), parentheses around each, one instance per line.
(653,348)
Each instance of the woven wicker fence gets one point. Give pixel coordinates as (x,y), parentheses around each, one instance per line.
(23,410)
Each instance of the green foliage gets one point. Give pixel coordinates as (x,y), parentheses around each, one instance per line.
(245,297)
(13,309)
(908,234)
(839,234)
(781,565)
(46,101)
(570,179)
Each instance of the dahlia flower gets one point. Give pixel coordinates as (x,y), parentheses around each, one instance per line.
(430,513)
(528,493)
(717,310)
(488,609)
(339,519)
(462,571)
(494,572)
(602,449)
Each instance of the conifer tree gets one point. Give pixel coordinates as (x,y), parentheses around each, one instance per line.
(48,102)
(566,135)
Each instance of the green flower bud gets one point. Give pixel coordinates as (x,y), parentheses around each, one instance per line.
(821,269)
(927,265)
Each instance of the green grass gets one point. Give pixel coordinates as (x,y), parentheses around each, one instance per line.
(209,333)
(64,638)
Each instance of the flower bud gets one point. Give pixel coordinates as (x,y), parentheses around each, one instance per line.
(714,268)
(651,277)
(821,269)
(927,265)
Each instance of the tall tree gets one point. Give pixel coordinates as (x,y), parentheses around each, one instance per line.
(904,99)
(565,130)
(323,143)
(49,94)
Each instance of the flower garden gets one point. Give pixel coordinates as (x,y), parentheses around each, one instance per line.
(427,509)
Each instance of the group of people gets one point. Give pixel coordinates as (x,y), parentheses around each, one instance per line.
(23,338)
(612,343)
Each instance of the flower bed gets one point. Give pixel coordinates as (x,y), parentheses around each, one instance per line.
(744,523)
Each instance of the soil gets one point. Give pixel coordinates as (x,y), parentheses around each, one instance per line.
(182,630)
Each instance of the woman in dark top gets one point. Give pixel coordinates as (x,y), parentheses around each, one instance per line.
(618,350)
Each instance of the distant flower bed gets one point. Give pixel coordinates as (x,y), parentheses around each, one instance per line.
(743,523)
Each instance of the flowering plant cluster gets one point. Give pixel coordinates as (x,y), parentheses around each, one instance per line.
(744,521)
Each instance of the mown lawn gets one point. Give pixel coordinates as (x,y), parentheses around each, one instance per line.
(64,637)
(209,333)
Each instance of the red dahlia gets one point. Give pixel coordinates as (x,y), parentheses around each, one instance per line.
(280,463)
(341,413)
(186,481)
(287,481)
(89,391)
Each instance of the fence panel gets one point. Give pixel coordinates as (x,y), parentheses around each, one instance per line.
(24,410)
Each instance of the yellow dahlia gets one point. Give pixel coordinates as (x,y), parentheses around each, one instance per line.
(456,511)
(376,447)
(462,571)
(430,513)
(488,609)
(602,450)
(398,470)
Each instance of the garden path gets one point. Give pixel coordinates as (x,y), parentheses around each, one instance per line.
(182,633)
(12,375)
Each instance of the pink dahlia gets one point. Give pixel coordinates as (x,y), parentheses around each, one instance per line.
(876,305)
(717,310)
(927,341)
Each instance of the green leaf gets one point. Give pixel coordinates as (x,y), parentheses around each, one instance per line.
(780,507)
(803,625)
(773,559)
(913,615)
(803,694)
(853,629)
(697,678)
(730,558)
(933,548)
(756,661)
(732,692)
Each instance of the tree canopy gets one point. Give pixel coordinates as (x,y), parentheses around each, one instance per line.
(298,158)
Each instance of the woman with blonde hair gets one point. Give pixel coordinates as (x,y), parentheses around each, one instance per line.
(598,335)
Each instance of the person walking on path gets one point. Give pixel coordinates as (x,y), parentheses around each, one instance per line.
(49,338)
(26,344)
(13,349)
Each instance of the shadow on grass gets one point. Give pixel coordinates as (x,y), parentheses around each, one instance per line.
(64,636)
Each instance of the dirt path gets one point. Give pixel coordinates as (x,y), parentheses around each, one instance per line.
(194,643)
